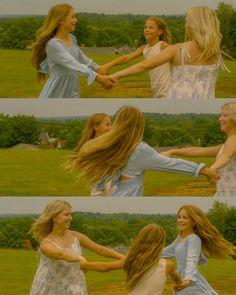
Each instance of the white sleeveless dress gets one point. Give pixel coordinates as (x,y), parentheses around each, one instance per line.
(160,75)
(58,277)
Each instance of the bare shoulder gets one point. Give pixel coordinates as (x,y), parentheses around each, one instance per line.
(164,45)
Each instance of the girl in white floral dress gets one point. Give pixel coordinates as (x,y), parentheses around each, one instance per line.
(195,63)
(60,271)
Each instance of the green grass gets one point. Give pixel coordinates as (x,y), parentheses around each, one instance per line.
(18,267)
(18,79)
(41,173)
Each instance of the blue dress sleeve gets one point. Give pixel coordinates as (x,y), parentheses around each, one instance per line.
(193,255)
(57,53)
(150,159)
(169,251)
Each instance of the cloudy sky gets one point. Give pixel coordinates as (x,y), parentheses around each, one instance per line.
(148,7)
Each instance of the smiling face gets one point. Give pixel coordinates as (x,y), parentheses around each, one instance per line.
(184,222)
(103,127)
(63,219)
(68,24)
(151,31)
(227,124)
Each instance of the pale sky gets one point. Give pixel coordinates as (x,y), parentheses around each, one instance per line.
(147,7)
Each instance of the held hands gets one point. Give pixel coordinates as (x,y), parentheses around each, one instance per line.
(182,285)
(102,70)
(81,258)
(105,81)
(212,175)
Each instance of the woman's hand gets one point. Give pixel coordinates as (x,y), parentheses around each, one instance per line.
(102,70)
(105,81)
(182,285)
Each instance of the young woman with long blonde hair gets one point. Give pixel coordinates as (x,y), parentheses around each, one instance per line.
(55,51)
(195,63)
(225,162)
(158,38)
(196,235)
(146,270)
(122,156)
(60,271)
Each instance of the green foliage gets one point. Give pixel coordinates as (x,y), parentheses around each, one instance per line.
(18,129)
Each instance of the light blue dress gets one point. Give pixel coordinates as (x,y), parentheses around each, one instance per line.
(64,65)
(226,185)
(188,255)
(58,277)
(193,81)
(145,158)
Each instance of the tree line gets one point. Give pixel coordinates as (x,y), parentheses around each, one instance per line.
(114,229)
(100,30)
(161,130)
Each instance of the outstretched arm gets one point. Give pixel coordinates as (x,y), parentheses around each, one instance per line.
(193,152)
(228,152)
(102,266)
(52,251)
(171,271)
(167,55)
(99,249)
(103,70)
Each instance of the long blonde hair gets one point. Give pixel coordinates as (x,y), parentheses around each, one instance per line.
(106,154)
(231,108)
(144,253)
(205,28)
(161,24)
(44,224)
(213,244)
(89,131)
(49,29)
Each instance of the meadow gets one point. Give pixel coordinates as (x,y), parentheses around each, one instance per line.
(18,79)
(18,267)
(42,173)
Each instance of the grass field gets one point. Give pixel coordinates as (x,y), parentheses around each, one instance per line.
(41,173)
(18,267)
(18,79)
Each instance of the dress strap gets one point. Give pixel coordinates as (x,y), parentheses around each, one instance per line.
(53,243)
(221,64)
(182,55)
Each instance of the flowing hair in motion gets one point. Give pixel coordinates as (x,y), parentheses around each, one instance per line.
(213,243)
(205,27)
(44,224)
(162,25)
(144,254)
(49,29)
(89,131)
(106,154)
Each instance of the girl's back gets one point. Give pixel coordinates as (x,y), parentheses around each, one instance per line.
(153,281)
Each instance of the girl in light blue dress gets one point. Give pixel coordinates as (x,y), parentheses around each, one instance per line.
(121,157)
(56,52)
(60,270)
(195,63)
(196,236)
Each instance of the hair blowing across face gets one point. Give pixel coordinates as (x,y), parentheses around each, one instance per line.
(106,154)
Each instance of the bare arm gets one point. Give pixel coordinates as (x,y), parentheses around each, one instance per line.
(102,266)
(228,152)
(120,60)
(51,251)
(193,152)
(171,271)
(167,55)
(99,249)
